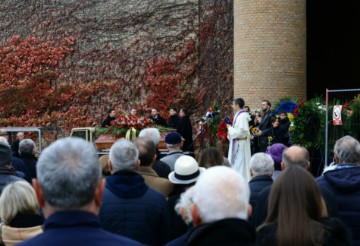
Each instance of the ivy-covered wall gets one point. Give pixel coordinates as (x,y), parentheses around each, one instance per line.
(155,53)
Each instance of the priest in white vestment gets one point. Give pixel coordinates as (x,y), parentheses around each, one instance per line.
(239,136)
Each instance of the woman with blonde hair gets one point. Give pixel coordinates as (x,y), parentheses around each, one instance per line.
(297,214)
(19,213)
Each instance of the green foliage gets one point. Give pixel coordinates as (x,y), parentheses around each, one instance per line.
(308,130)
(354,119)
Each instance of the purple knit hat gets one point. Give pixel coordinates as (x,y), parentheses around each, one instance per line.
(276,151)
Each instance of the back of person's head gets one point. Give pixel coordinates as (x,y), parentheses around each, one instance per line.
(103,160)
(211,157)
(261,164)
(296,204)
(173,140)
(27,146)
(221,193)
(347,151)
(276,151)
(17,198)
(147,150)
(239,101)
(123,156)
(5,153)
(68,172)
(183,205)
(152,133)
(296,155)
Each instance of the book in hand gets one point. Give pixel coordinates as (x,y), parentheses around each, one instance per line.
(227,120)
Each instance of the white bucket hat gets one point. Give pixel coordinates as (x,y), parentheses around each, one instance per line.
(186,170)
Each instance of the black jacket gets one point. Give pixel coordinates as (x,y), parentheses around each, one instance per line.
(257,184)
(184,128)
(173,121)
(30,161)
(223,232)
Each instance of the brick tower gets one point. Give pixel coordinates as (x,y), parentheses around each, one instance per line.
(269,50)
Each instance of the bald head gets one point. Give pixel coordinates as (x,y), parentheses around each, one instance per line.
(296,155)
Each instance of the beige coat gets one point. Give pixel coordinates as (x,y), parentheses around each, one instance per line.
(155,182)
(12,235)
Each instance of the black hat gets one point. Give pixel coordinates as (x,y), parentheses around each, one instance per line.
(173,138)
(5,154)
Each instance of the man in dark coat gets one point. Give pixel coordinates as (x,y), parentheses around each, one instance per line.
(184,128)
(27,150)
(220,218)
(15,145)
(265,123)
(343,180)
(159,167)
(261,170)
(7,172)
(294,155)
(156,118)
(69,189)
(174,118)
(129,207)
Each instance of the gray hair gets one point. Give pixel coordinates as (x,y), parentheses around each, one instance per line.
(347,150)
(152,133)
(17,197)
(123,155)
(27,146)
(182,207)
(262,164)
(174,146)
(221,193)
(68,172)
(296,155)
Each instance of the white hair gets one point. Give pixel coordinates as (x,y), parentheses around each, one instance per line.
(68,172)
(17,198)
(262,164)
(152,133)
(221,193)
(347,149)
(123,155)
(182,207)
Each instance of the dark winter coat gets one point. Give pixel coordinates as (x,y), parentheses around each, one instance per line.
(223,232)
(257,184)
(131,209)
(173,121)
(30,161)
(184,128)
(75,228)
(344,183)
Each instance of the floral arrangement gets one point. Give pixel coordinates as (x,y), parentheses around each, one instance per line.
(309,121)
(289,107)
(125,125)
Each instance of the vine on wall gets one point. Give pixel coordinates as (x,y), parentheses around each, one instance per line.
(60,75)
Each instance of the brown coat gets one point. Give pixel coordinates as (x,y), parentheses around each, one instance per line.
(155,182)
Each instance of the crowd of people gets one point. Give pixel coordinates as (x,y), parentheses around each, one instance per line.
(134,196)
